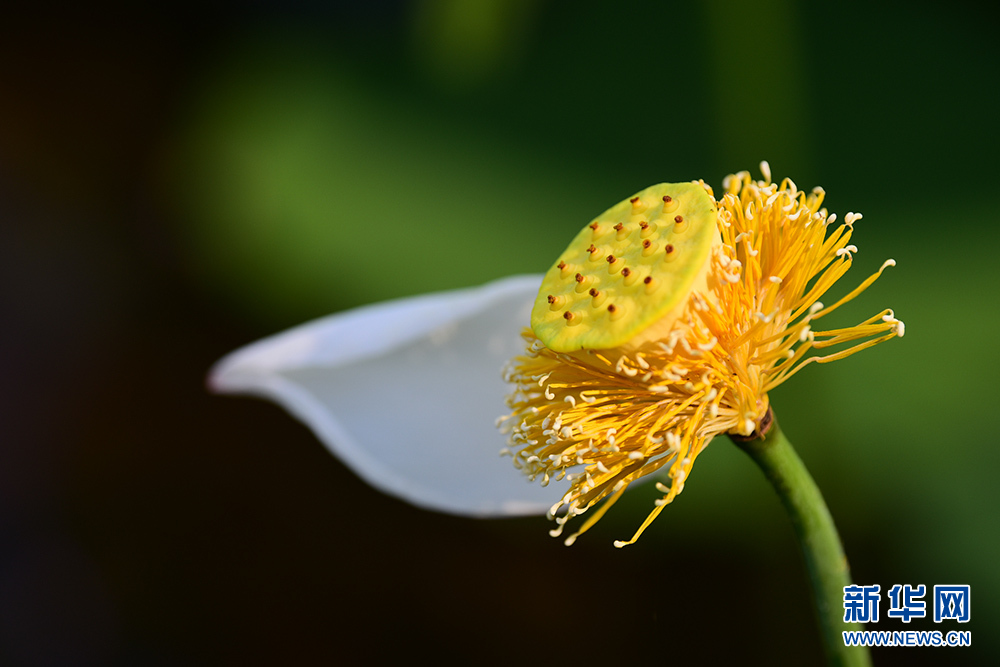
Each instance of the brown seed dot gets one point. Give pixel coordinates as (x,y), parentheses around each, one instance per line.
(561,265)
(679,219)
(568,315)
(619,227)
(669,248)
(593,291)
(667,199)
(646,243)
(579,277)
(611,259)
(634,200)
(593,226)
(591,249)
(647,280)
(611,308)
(644,224)
(626,272)
(552,299)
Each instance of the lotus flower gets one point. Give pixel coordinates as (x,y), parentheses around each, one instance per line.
(665,322)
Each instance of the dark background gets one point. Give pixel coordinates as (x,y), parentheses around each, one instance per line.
(174,185)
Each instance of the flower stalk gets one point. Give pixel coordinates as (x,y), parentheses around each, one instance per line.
(826,563)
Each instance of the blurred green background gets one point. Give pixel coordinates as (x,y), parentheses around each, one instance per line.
(175,184)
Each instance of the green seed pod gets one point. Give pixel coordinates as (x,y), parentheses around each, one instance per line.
(634,266)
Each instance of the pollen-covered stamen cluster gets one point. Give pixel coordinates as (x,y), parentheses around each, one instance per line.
(605,416)
(603,419)
(778,258)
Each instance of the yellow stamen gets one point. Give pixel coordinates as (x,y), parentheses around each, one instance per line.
(697,316)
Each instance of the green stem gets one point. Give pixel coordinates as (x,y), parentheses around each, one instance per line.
(825,559)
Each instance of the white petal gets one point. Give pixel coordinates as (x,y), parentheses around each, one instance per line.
(406,393)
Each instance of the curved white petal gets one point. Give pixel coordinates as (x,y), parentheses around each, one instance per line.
(407,393)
